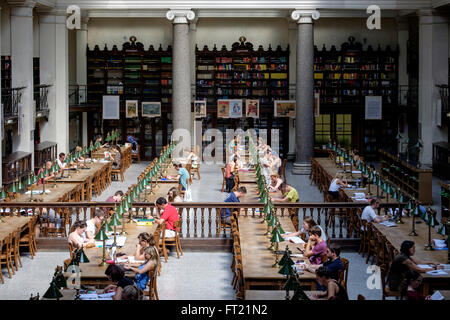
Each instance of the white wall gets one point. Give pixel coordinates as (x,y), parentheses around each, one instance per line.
(6,31)
(35,35)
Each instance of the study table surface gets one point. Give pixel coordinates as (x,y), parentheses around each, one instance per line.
(11,224)
(396,235)
(257,259)
(329,166)
(274,294)
(83,174)
(100,153)
(247,176)
(56,194)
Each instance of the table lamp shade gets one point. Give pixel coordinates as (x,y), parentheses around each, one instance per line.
(114,221)
(286,260)
(415,211)
(408,206)
(35,179)
(394,195)
(13,188)
(379,182)
(269,216)
(277,237)
(442,230)
(273,221)
(101,235)
(401,198)
(60,281)
(83,257)
(285,270)
(432,220)
(290,284)
(266,209)
(280,229)
(120,211)
(53,292)
(41,174)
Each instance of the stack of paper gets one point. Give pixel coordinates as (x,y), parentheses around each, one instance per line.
(38,191)
(356,172)
(295,240)
(437,273)
(132,260)
(437,296)
(388,224)
(439,243)
(120,241)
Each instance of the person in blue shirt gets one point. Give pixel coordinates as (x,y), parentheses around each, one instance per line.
(233,197)
(333,264)
(134,144)
(182,177)
(142,272)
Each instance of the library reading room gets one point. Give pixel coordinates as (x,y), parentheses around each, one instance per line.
(225,150)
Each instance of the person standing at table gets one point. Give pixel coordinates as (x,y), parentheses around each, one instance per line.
(170,215)
(92,225)
(315,247)
(182,177)
(61,158)
(232,198)
(266,164)
(336,184)
(289,194)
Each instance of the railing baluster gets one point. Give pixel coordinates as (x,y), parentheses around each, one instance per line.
(209,222)
(203,221)
(188,224)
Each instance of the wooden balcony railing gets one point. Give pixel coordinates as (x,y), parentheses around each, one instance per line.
(10,99)
(200,220)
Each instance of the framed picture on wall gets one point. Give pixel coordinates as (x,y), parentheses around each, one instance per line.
(131,108)
(284,108)
(252,108)
(223,108)
(151,109)
(111,109)
(236,108)
(200,109)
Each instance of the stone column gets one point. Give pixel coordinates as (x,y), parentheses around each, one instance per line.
(304,94)
(55,70)
(181,69)
(1,108)
(292,29)
(433,70)
(82,38)
(22,71)
(403,79)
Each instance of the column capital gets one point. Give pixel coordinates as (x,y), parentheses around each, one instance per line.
(305,16)
(22,8)
(180,16)
(55,15)
(430,16)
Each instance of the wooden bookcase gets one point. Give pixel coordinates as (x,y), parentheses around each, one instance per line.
(445,199)
(441,160)
(17,165)
(415,182)
(44,151)
(242,73)
(344,77)
(133,73)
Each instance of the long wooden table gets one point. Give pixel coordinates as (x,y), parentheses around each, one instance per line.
(257,259)
(11,224)
(60,193)
(274,294)
(396,235)
(100,153)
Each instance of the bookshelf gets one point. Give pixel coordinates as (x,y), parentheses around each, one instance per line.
(133,73)
(242,73)
(445,199)
(415,182)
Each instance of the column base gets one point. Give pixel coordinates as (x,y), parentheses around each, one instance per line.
(291,156)
(301,168)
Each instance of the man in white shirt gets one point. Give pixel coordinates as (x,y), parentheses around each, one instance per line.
(266,166)
(91,228)
(61,163)
(369,213)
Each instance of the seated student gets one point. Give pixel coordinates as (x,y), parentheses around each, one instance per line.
(117,197)
(173,196)
(76,235)
(356,158)
(170,214)
(404,262)
(78,161)
(233,197)
(232,146)
(182,177)
(92,225)
(369,214)
(192,158)
(276,182)
(145,240)
(134,144)
(410,285)
(117,157)
(334,290)
(100,139)
(337,183)
(307,224)
(230,171)
(275,161)
(116,275)
(151,263)
(333,264)
(50,175)
(289,194)
(315,247)
(61,159)
(131,292)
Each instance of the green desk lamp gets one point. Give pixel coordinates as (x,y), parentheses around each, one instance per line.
(101,236)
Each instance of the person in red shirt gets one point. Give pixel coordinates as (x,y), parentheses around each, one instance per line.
(51,175)
(170,215)
(410,287)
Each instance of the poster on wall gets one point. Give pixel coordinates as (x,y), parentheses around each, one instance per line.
(284,108)
(316,104)
(373,107)
(111,109)
(131,107)
(151,109)
(252,108)
(223,108)
(200,109)
(235,108)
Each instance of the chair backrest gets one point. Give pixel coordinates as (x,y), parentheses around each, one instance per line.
(163,231)
(152,280)
(223,172)
(343,274)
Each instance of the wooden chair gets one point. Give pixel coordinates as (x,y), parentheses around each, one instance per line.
(5,256)
(157,238)
(170,241)
(381,250)
(196,170)
(224,179)
(384,281)
(137,155)
(221,226)
(15,252)
(188,169)
(119,172)
(343,274)
(29,239)
(152,292)
(371,242)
